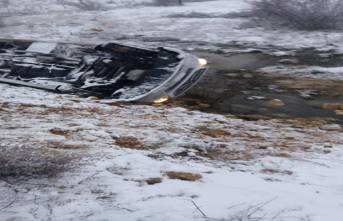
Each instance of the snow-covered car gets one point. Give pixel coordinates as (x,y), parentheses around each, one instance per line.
(111,70)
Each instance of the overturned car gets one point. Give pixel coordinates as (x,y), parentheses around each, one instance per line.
(114,71)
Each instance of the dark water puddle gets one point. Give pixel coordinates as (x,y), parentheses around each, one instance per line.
(233,86)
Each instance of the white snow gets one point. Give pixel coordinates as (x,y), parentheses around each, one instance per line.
(42,47)
(316,72)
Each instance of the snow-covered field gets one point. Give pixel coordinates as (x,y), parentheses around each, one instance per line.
(208,22)
(264,170)
(214,25)
(100,157)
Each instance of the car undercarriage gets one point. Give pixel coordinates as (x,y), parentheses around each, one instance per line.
(110,70)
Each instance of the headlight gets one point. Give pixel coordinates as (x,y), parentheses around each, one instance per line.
(161,100)
(202,62)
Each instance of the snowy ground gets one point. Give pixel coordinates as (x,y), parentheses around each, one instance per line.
(67,158)
(198,22)
(213,25)
(278,170)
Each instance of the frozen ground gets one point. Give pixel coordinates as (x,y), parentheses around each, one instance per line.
(264,170)
(67,158)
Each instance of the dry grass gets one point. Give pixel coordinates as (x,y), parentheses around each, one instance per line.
(308,122)
(183,176)
(46,110)
(333,106)
(130,143)
(281,154)
(226,154)
(33,161)
(276,171)
(59,145)
(214,133)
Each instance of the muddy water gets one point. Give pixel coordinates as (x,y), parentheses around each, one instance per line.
(234,86)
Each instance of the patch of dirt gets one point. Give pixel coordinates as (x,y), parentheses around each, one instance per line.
(130,143)
(46,110)
(153,181)
(59,132)
(183,176)
(281,154)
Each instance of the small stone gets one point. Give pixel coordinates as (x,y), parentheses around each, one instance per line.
(248,76)
(97,29)
(153,181)
(276,103)
(231,75)
(256,98)
(93,98)
(204,105)
(289,61)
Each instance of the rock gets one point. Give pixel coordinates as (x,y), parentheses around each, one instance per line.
(331,127)
(333,106)
(339,112)
(183,176)
(204,105)
(256,98)
(276,103)
(231,75)
(153,181)
(326,151)
(289,61)
(93,98)
(97,29)
(59,132)
(248,76)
